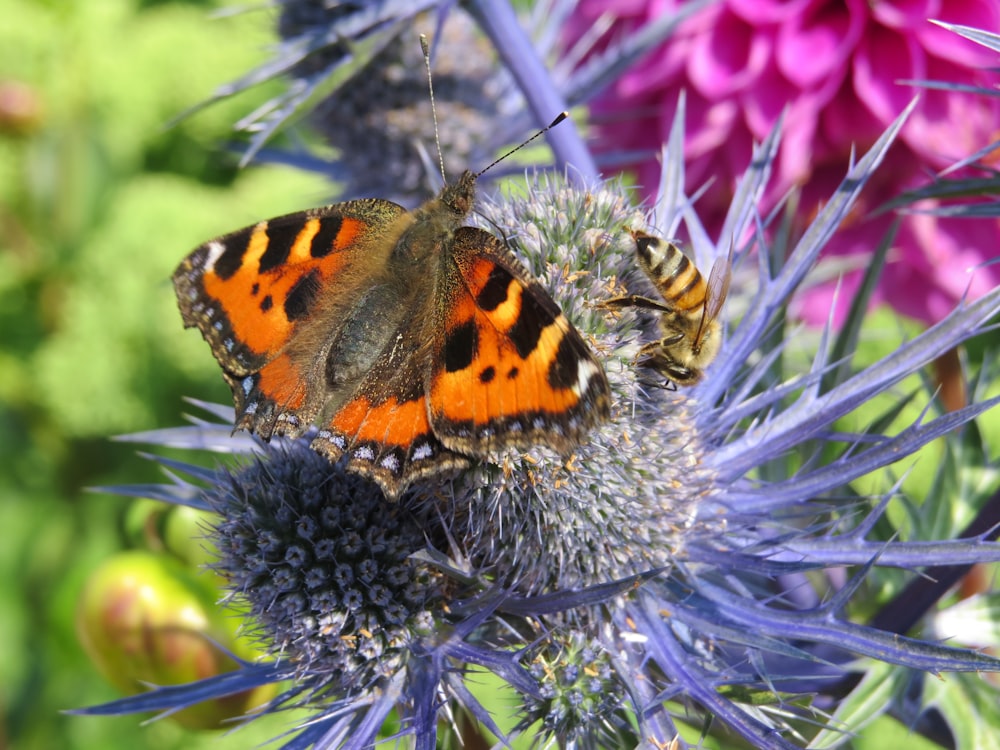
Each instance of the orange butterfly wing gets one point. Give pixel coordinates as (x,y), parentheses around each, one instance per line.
(417,345)
(262,298)
(507,367)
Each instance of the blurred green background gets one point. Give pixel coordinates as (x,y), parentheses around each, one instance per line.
(99,201)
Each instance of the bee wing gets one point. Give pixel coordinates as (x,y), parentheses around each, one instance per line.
(718,288)
(718,285)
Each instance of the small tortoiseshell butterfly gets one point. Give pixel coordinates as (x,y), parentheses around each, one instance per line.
(416,343)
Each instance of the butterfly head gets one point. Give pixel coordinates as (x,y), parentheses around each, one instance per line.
(459,196)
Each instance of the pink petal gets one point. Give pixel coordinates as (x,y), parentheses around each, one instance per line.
(883,58)
(762,12)
(911,283)
(960,250)
(815,304)
(729,57)
(764,103)
(813,49)
(854,243)
(710,124)
(703,21)
(845,122)
(979,14)
(950,125)
(906,15)
(796,157)
(660,72)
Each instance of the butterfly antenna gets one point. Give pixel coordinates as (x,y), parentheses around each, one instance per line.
(426,49)
(562,116)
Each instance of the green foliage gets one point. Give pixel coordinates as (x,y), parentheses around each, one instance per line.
(99,200)
(969,706)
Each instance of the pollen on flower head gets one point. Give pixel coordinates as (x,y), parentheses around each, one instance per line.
(323,563)
(579,691)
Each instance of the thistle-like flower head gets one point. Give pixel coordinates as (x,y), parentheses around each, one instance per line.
(666,561)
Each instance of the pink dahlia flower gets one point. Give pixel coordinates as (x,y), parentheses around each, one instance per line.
(835,70)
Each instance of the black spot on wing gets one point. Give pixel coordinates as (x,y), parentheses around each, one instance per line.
(487,375)
(231,259)
(494,291)
(323,243)
(300,297)
(280,238)
(460,346)
(532,320)
(267,303)
(564,368)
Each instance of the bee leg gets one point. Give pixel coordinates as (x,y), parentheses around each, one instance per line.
(657,358)
(683,375)
(649,352)
(672,337)
(651,355)
(633,300)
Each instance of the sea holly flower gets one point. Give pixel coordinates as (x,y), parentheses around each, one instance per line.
(687,560)
(837,74)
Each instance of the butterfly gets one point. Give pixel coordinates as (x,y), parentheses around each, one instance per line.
(692,335)
(416,344)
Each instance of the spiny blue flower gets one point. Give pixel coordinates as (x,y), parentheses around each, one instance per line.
(668,563)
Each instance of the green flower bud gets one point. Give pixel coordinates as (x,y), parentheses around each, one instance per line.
(146,619)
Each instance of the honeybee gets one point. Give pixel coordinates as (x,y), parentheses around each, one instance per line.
(692,335)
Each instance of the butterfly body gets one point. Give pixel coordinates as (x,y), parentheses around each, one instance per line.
(415,343)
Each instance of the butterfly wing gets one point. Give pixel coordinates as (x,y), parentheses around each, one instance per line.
(384,430)
(307,314)
(506,366)
(263,298)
